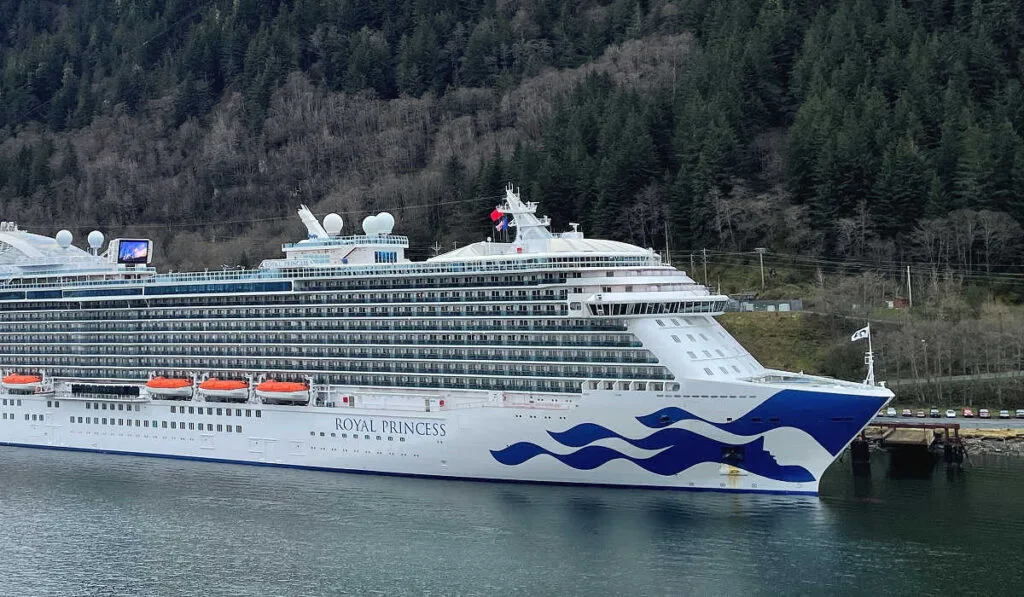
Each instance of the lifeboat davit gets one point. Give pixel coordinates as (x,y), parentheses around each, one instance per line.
(225,390)
(169,387)
(24,383)
(283,391)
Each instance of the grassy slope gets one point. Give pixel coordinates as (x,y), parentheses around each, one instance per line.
(789,341)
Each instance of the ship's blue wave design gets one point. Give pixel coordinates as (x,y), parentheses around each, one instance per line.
(831,419)
(686,450)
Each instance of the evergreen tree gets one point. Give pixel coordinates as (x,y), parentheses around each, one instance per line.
(901,189)
(971,169)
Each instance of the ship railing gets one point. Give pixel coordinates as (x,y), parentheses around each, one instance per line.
(312,273)
(348,241)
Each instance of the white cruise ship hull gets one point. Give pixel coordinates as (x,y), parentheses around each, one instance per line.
(550,358)
(633,439)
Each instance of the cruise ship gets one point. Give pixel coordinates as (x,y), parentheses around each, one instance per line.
(552,358)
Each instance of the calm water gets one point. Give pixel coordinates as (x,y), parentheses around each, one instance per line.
(84,524)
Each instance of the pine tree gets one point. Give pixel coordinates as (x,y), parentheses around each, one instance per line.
(971,169)
(901,189)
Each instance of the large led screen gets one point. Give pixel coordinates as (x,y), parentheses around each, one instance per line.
(133,251)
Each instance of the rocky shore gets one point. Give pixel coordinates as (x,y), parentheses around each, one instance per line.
(993,441)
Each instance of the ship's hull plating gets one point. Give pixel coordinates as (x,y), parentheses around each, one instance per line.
(782,443)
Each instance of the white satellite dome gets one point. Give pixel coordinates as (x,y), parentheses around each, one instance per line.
(371,225)
(64,238)
(95,239)
(333,224)
(386,222)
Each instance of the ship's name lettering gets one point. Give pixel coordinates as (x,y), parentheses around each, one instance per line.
(358,425)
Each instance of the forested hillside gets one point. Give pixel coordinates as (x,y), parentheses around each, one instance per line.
(874,131)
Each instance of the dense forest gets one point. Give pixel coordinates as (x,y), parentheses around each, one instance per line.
(864,131)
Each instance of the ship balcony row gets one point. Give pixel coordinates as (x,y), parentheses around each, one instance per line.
(492,310)
(15,343)
(349,328)
(121,313)
(303,366)
(307,350)
(392,324)
(433,283)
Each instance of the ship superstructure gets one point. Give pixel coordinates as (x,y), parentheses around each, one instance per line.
(550,358)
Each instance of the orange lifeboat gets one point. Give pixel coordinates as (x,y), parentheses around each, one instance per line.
(228,390)
(283,391)
(170,387)
(17,381)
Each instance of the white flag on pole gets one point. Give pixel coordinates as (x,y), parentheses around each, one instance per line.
(861,334)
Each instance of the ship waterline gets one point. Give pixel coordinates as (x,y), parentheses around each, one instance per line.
(552,358)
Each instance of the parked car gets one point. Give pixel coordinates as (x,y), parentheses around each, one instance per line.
(890,412)
(920,414)
(934,413)
(983,414)
(968,413)
(1004,414)
(951,414)
(1019,413)
(906,412)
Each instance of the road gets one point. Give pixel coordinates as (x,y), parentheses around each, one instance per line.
(974,423)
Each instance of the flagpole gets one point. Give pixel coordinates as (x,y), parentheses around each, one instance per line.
(871,360)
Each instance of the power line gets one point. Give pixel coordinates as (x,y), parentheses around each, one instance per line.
(209,223)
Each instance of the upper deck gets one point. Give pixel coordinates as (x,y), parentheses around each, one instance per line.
(40,268)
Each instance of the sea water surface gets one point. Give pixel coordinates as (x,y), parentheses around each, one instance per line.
(89,524)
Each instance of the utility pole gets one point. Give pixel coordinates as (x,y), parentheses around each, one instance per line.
(691,265)
(910,291)
(668,256)
(760,258)
(705,257)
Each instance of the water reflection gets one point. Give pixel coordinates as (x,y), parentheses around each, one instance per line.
(86,524)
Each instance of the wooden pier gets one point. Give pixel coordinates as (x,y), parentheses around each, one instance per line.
(910,445)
